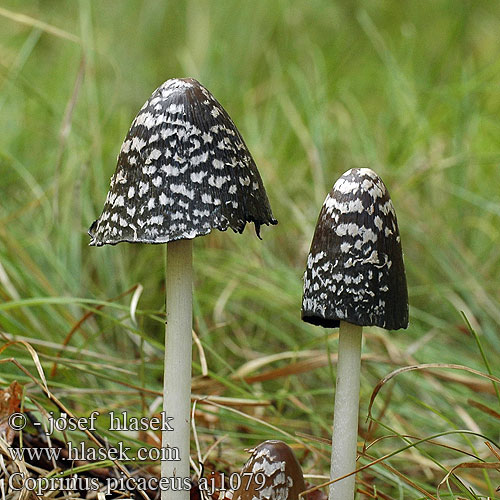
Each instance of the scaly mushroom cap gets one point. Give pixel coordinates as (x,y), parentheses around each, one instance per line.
(281,478)
(182,171)
(355,269)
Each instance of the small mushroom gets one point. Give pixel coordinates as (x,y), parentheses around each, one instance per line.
(354,277)
(182,171)
(271,473)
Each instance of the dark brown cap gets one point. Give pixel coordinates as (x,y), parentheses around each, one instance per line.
(182,171)
(355,269)
(271,473)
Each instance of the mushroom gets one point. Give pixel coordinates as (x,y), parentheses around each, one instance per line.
(182,171)
(354,277)
(271,473)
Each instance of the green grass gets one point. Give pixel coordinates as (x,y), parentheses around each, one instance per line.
(410,89)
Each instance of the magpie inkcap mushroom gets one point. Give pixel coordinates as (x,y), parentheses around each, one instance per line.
(183,170)
(354,277)
(271,473)
(355,269)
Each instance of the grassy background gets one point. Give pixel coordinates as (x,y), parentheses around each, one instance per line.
(410,89)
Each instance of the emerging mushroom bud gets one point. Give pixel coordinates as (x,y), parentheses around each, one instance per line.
(271,473)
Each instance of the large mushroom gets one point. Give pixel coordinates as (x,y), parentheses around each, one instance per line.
(182,171)
(354,277)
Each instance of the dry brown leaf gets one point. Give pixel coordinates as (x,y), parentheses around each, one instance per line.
(490,447)
(303,366)
(316,494)
(484,408)
(428,366)
(469,465)
(10,402)
(473,384)
(36,360)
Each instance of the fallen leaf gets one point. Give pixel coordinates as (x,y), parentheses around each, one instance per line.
(10,400)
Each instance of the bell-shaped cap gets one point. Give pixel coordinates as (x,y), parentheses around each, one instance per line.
(271,473)
(182,171)
(355,269)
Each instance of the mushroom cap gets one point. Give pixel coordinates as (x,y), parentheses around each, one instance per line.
(182,171)
(282,474)
(355,270)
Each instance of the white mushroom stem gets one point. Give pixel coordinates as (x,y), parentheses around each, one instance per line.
(345,420)
(177,374)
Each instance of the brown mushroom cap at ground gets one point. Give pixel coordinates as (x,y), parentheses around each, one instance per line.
(282,474)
